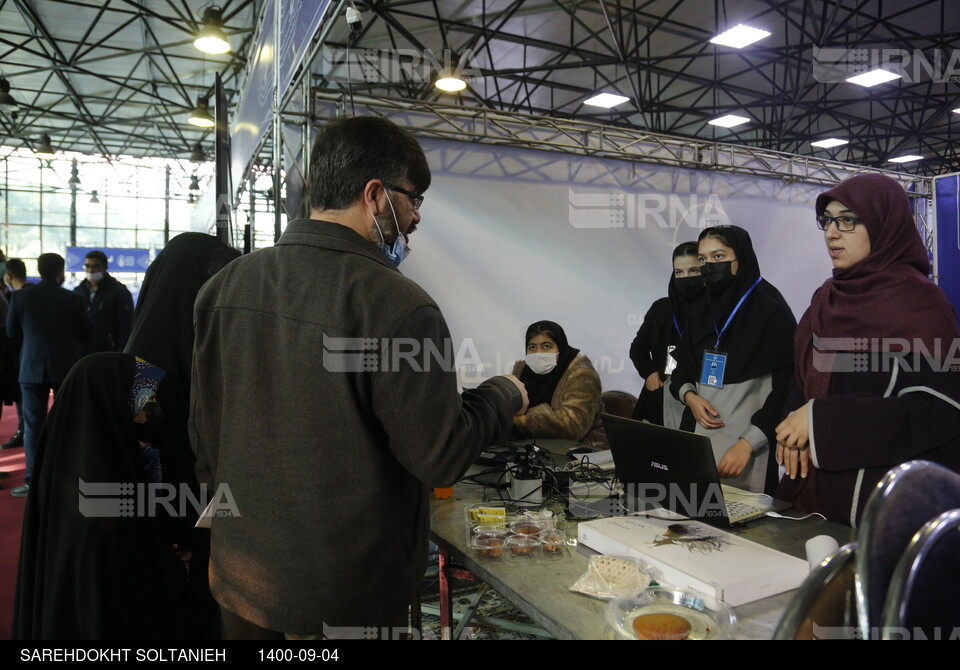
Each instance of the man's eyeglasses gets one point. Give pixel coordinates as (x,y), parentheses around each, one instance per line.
(845,224)
(415,197)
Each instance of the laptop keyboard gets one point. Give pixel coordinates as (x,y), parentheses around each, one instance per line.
(739,510)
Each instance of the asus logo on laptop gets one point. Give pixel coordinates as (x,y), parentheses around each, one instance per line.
(659,466)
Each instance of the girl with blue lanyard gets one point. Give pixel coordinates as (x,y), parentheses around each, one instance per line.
(735,360)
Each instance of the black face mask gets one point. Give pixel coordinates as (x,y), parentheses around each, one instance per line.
(717,276)
(689,288)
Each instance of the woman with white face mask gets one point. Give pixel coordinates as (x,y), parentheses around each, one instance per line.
(563,387)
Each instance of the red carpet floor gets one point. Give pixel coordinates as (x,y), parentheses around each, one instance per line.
(11,518)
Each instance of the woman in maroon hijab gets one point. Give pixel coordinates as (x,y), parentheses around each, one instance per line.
(877,356)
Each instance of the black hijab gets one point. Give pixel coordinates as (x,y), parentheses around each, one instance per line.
(163,334)
(759,339)
(680,305)
(88,571)
(540,388)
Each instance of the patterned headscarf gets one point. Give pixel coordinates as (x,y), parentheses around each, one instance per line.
(146,379)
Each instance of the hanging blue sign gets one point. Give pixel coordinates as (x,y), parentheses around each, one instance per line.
(118,259)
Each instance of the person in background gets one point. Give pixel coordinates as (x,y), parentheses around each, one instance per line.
(86,573)
(108,303)
(163,334)
(49,323)
(14,279)
(658,337)
(735,360)
(563,387)
(878,357)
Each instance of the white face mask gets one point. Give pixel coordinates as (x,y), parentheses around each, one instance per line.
(541,363)
(95,277)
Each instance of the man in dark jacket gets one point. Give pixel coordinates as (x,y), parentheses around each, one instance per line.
(49,323)
(328,453)
(15,279)
(108,303)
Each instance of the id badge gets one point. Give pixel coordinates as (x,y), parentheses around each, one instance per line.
(714,362)
(671,361)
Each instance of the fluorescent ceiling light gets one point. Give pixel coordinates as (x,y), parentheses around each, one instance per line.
(740,36)
(906,159)
(829,143)
(729,121)
(450,84)
(873,77)
(607,100)
(957,111)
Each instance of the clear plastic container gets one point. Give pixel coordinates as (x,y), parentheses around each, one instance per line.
(553,543)
(493,548)
(523,547)
(708,618)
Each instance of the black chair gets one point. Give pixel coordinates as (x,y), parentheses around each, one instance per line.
(906,498)
(923,601)
(619,403)
(824,606)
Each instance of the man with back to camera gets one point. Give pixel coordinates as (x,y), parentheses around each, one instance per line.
(15,279)
(329,462)
(108,303)
(49,323)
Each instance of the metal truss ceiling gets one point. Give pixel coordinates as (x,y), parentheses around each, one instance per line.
(120,76)
(581,138)
(544,57)
(113,77)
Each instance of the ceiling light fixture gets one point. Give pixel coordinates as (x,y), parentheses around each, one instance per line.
(957,110)
(198,156)
(194,183)
(200,116)
(739,36)
(729,121)
(873,77)
(211,38)
(450,82)
(74,180)
(44,150)
(829,143)
(7,103)
(906,159)
(607,100)
(94,200)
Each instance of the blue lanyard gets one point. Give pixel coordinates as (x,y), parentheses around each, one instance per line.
(734,312)
(677,325)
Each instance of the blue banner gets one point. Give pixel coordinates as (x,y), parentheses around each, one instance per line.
(946,206)
(299,21)
(118,259)
(255,111)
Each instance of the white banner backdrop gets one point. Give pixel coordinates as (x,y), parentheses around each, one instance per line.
(511,236)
